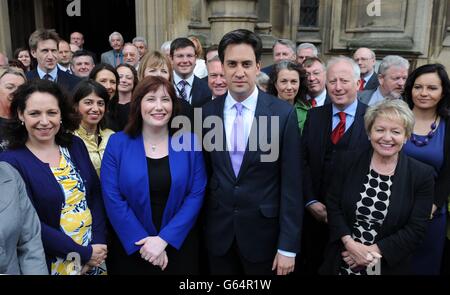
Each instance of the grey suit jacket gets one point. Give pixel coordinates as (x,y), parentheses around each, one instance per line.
(108,58)
(366,95)
(21,250)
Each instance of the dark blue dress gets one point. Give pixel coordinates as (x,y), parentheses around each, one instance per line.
(427,258)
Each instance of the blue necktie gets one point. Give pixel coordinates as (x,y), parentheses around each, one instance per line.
(182,89)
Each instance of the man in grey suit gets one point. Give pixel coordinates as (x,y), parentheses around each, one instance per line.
(21,250)
(392,75)
(114,57)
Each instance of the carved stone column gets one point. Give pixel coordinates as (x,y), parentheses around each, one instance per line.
(228,15)
(5,35)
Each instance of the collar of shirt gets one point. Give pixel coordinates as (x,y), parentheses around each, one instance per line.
(368,76)
(320,99)
(190,80)
(63,68)
(376,97)
(248,113)
(177,79)
(53,73)
(350,112)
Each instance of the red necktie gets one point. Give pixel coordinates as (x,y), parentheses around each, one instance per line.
(313,102)
(339,131)
(361,85)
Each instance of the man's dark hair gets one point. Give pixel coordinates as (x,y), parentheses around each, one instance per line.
(241,36)
(180,43)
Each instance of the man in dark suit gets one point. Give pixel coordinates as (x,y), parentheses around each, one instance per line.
(253,210)
(365,58)
(189,87)
(392,75)
(44,47)
(316,74)
(282,49)
(328,129)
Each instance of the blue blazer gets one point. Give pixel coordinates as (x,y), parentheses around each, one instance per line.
(126,192)
(47,196)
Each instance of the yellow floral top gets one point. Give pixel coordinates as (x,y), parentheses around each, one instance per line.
(76,218)
(95,149)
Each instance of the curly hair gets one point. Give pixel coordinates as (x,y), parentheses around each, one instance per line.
(17,135)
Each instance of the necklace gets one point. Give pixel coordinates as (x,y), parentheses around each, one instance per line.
(372,166)
(420,143)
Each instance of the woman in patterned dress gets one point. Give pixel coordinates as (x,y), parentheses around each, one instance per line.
(60,179)
(378,213)
(91,101)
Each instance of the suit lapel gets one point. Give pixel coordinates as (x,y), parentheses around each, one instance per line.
(358,131)
(194,95)
(397,191)
(225,155)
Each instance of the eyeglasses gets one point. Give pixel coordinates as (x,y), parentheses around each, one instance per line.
(182,56)
(315,74)
(362,59)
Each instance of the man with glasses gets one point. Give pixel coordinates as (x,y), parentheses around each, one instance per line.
(316,79)
(365,58)
(189,87)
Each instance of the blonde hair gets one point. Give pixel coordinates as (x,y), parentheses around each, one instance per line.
(198,46)
(154,59)
(13,71)
(391,109)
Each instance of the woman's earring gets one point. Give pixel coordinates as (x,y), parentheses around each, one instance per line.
(22,123)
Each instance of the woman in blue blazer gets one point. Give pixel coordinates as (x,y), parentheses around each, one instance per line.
(153,182)
(60,179)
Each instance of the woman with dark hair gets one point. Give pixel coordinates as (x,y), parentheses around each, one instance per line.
(91,101)
(23,55)
(427,92)
(120,107)
(60,179)
(153,181)
(288,82)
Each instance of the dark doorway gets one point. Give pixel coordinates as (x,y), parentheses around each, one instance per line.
(97,21)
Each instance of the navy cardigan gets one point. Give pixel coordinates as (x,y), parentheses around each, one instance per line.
(47,197)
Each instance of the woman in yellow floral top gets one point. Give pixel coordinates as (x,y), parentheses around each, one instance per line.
(90,99)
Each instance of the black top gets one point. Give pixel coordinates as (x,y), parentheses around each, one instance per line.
(3,142)
(159,180)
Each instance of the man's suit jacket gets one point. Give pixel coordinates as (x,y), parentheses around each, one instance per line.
(21,244)
(372,83)
(406,222)
(315,137)
(108,57)
(126,192)
(262,207)
(200,93)
(67,81)
(365,96)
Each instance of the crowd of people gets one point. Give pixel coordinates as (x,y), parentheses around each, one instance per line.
(299,167)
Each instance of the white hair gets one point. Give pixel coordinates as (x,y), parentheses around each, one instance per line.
(356,69)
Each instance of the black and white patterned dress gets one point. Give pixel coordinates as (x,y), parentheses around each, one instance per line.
(371,210)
